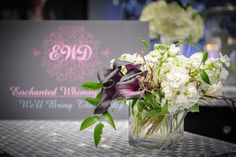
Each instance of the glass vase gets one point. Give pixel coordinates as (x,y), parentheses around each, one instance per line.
(163,131)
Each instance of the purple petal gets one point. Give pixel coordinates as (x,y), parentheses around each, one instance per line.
(129,89)
(107,74)
(108,94)
(103,107)
(128,65)
(129,94)
(108,84)
(117,77)
(115,84)
(103,73)
(118,63)
(133,66)
(131,74)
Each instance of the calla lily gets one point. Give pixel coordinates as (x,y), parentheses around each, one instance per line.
(103,105)
(129,89)
(107,75)
(132,66)
(108,78)
(115,84)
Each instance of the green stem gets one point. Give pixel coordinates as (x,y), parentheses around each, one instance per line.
(166,142)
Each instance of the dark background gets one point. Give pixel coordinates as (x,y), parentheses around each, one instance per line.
(89,9)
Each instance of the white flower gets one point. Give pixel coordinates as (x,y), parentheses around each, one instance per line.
(224,73)
(168,92)
(173,50)
(184,98)
(153,56)
(134,58)
(225,59)
(171,21)
(215,90)
(177,77)
(196,59)
(191,91)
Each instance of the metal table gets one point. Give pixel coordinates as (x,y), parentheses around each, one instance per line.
(44,138)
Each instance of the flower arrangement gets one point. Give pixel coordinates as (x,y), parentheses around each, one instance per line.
(160,82)
(173,22)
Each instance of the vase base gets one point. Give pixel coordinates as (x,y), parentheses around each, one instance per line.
(148,143)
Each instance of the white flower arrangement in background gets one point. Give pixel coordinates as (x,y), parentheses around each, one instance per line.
(173,22)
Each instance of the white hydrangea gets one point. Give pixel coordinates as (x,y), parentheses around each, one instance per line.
(183,98)
(133,58)
(178,77)
(153,56)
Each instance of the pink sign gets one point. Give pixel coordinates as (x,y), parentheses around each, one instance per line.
(76,53)
(71,53)
(43,64)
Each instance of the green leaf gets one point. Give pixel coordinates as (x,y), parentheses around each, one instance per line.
(91,85)
(142,105)
(99,95)
(88,122)
(150,101)
(151,113)
(204,76)
(145,43)
(164,109)
(158,97)
(133,104)
(98,133)
(204,56)
(108,117)
(94,101)
(139,116)
(194,108)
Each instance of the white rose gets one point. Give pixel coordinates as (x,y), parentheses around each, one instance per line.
(214,90)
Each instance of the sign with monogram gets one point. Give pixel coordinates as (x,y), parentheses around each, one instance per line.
(44,63)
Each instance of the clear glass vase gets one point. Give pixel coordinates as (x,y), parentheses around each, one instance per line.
(162,131)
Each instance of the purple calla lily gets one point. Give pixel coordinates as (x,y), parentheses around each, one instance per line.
(115,84)
(129,89)
(133,66)
(103,106)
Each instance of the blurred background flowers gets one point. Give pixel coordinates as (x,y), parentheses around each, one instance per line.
(172,21)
